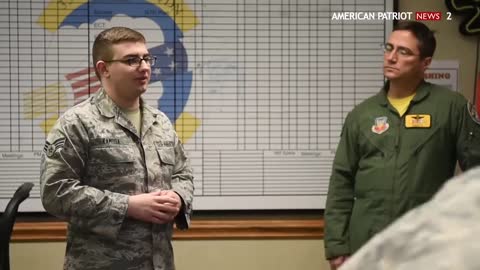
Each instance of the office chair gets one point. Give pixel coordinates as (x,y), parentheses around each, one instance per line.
(7,219)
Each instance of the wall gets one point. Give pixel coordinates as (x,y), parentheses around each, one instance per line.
(271,254)
(451,45)
(199,255)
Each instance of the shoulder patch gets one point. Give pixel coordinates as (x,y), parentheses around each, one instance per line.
(50,148)
(474,112)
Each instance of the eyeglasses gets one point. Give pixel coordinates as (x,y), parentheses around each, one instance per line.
(402,51)
(136,61)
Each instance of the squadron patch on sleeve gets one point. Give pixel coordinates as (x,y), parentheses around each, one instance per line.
(50,148)
(473,111)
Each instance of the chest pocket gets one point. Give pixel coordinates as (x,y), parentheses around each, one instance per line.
(113,167)
(111,155)
(166,155)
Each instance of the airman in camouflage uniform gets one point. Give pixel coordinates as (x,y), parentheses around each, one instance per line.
(119,189)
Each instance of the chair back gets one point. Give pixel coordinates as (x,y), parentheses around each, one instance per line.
(7,220)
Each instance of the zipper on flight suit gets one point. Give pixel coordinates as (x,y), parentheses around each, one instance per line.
(397,153)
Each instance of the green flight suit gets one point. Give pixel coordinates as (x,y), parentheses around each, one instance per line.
(386,165)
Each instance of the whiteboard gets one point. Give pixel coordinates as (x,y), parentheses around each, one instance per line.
(257,89)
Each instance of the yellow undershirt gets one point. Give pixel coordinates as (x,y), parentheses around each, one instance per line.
(135,117)
(401,104)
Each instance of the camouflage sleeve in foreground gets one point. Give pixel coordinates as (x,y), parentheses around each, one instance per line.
(62,192)
(442,234)
(182,184)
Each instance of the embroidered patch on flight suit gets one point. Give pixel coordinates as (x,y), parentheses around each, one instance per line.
(381,125)
(418,121)
(50,148)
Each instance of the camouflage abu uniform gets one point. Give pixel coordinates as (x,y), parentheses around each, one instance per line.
(93,159)
(442,234)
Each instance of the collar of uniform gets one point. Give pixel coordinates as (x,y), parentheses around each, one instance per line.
(146,108)
(105,104)
(382,95)
(149,114)
(423,90)
(108,108)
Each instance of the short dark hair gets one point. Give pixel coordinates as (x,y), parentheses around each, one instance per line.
(425,36)
(102,46)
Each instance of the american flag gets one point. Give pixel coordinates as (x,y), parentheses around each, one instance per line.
(171,61)
(84,83)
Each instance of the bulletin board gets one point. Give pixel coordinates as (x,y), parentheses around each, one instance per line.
(257,89)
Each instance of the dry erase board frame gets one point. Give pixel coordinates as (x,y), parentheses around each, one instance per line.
(258,90)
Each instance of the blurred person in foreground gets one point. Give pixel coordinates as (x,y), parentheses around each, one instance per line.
(442,234)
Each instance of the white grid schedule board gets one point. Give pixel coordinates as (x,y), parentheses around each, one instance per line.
(257,90)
